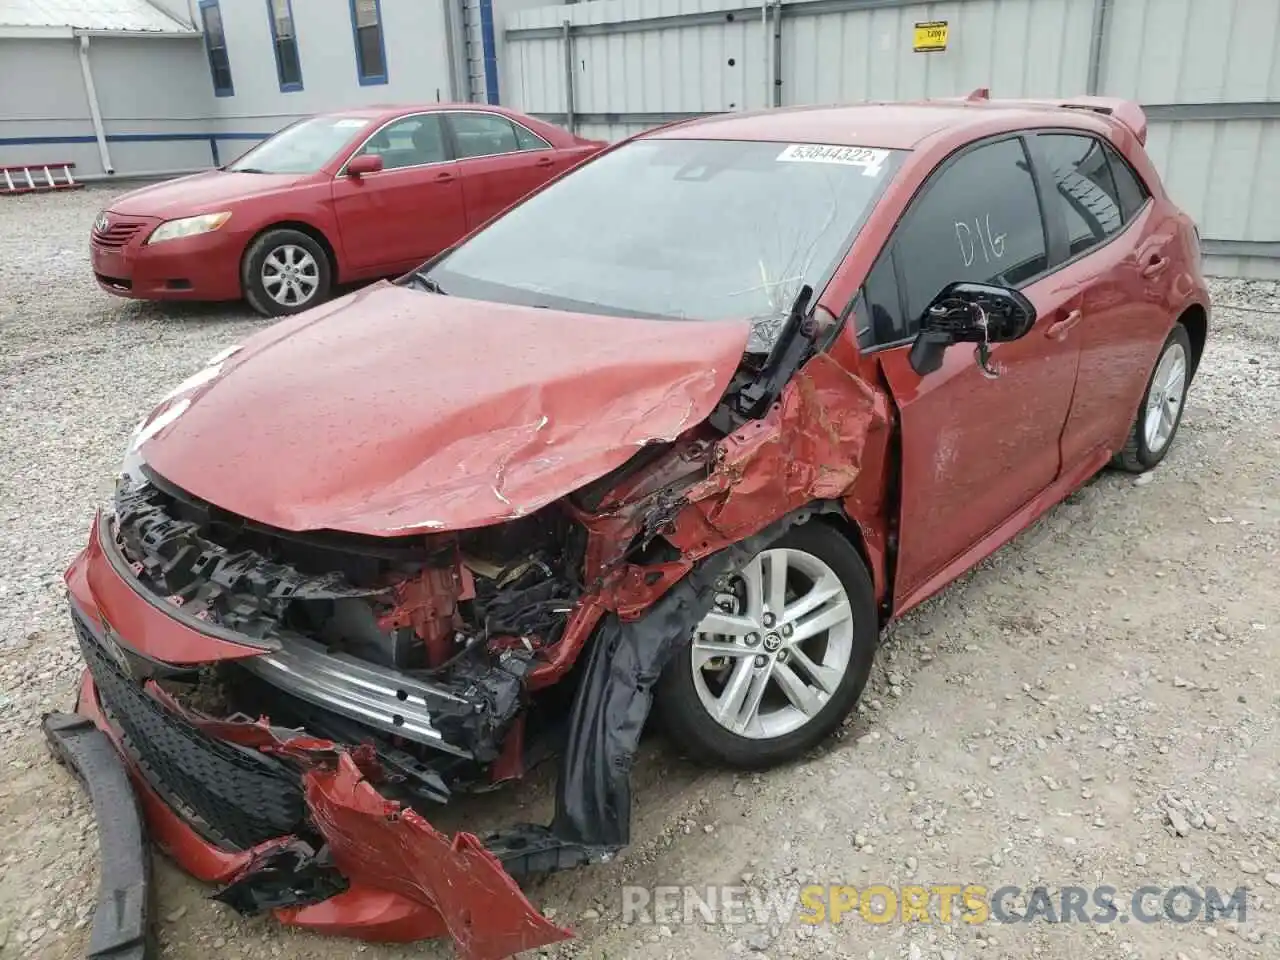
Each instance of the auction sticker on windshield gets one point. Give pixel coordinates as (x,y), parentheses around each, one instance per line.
(870,160)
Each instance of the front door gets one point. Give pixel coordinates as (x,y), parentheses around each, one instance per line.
(408,211)
(974,448)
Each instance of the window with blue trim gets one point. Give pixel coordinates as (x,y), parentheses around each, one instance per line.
(215,45)
(285,40)
(371,53)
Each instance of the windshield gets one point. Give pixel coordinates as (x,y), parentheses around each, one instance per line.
(683,229)
(302,147)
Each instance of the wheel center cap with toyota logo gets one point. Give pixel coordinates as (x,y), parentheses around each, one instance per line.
(772,642)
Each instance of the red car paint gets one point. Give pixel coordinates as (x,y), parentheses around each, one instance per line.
(376,225)
(453,450)
(934,472)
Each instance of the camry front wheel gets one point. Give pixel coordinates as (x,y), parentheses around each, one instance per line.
(284,272)
(783,657)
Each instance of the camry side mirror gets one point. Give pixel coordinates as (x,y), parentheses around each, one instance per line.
(980,313)
(364,164)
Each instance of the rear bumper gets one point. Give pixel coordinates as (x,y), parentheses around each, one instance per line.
(192,268)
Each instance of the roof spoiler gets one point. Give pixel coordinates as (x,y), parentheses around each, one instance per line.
(1128,112)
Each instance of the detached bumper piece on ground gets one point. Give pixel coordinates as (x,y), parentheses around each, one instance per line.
(121,920)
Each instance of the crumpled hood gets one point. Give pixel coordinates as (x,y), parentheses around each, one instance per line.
(206,192)
(393,411)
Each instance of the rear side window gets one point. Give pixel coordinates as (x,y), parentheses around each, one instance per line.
(483,134)
(1133,194)
(978,220)
(1083,189)
(526,139)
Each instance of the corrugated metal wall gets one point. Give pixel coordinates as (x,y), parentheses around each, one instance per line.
(1208,72)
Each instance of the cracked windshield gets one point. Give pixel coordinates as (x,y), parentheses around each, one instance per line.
(681,229)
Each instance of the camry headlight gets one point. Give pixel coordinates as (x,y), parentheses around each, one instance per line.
(171,406)
(188,226)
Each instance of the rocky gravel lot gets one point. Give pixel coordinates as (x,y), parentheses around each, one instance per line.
(1097,704)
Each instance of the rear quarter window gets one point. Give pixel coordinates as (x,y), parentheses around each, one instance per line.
(1132,191)
(1084,188)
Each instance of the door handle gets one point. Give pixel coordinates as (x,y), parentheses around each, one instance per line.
(445,178)
(1059,330)
(545,161)
(1155,266)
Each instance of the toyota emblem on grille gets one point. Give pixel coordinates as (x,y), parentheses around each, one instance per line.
(100,225)
(113,649)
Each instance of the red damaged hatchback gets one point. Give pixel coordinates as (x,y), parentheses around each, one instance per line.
(683,429)
(331,199)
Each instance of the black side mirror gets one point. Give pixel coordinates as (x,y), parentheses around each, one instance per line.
(980,313)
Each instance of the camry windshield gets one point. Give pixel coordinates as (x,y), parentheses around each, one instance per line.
(682,229)
(302,147)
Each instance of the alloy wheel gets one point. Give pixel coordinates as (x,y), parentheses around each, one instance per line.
(1164,399)
(776,647)
(290,275)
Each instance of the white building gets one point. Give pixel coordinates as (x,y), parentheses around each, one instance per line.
(128,87)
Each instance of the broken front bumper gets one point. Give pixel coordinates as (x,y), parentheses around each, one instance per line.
(284,821)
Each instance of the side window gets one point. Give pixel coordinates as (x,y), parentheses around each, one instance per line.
(879,311)
(215,45)
(526,139)
(410,142)
(483,134)
(1085,191)
(1133,194)
(978,220)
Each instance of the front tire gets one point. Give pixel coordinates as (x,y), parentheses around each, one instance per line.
(1160,412)
(783,658)
(284,272)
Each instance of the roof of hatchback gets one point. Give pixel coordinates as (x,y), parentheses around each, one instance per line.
(896,126)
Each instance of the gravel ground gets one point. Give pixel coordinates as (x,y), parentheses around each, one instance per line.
(1097,704)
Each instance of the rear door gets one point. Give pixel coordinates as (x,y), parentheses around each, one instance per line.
(408,211)
(1117,257)
(974,449)
(501,161)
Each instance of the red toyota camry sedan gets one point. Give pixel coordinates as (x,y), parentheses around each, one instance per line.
(331,199)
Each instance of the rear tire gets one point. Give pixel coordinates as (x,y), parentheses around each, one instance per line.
(1160,413)
(285,272)
(789,676)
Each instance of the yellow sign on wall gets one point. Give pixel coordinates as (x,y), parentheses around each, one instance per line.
(931,37)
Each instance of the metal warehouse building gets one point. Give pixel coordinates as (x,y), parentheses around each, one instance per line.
(184,83)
